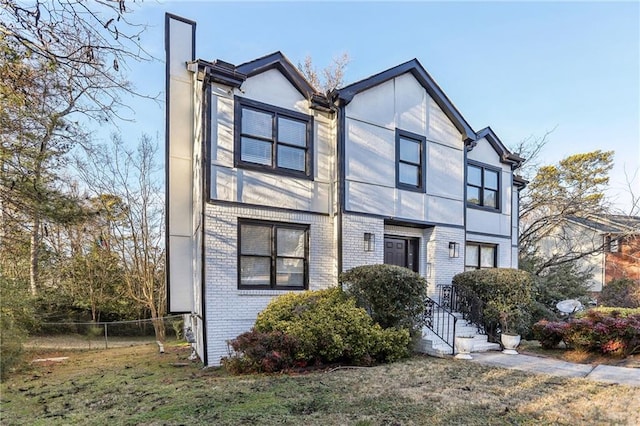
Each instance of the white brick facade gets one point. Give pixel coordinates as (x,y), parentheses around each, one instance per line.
(230,311)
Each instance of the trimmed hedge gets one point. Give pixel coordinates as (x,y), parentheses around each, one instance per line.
(323,326)
(505,295)
(392,295)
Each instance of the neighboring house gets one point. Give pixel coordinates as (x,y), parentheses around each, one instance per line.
(273,187)
(612,241)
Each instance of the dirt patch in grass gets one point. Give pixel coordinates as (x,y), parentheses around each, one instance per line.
(139,386)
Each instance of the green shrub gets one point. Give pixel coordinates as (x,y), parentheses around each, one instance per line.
(504,295)
(330,328)
(16,316)
(616,312)
(393,296)
(622,293)
(11,338)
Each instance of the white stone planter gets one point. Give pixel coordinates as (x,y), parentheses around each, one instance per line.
(464,345)
(510,342)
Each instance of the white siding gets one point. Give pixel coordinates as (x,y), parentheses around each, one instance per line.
(445,171)
(268,189)
(441,129)
(180,163)
(370,154)
(273,88)
(410,105)
(497,223)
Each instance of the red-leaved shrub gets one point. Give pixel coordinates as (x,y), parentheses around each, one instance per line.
(607,333)
(256,352)
(549,333)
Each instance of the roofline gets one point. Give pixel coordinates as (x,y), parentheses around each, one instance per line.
(347,93)
(593,218)
(234,76)
(277,60)
(519,181)
(506,156)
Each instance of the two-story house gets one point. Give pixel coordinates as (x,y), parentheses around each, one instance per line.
(273,187)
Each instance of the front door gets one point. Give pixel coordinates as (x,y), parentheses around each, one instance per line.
(401,252)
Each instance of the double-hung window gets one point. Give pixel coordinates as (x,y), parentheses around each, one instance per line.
(410,161)
(483,186)
(273,255)
(273,139)
(480,256)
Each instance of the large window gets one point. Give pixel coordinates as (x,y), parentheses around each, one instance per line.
(273,139)
(480,256)
(272,255)
(483,186)
(410,161)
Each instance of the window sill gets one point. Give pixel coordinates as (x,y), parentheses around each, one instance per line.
(240,165)
(265,292)
(483,208)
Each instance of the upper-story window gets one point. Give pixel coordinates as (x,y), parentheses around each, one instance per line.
(483,186)
(273,139)
(410,161)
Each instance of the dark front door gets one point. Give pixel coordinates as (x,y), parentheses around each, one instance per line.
(401,252)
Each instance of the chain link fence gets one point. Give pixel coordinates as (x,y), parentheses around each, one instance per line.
(103,335)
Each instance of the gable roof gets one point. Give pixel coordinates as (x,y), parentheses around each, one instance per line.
(506,156)
(280,62)
(609,223)
(414,67)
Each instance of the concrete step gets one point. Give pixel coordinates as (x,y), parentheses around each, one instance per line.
(433,345)
(485,347)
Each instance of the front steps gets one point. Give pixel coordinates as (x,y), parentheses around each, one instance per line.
(433,345)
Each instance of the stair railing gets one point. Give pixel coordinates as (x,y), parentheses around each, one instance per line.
(440,321)
(466,302)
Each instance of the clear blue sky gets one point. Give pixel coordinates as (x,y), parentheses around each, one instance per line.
(522,68)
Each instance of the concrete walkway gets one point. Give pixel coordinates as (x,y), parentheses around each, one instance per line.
(555,367)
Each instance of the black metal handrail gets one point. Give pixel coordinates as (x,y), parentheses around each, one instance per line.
(465,302)
(441,322)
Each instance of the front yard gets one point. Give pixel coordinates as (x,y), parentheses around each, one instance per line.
(137,385)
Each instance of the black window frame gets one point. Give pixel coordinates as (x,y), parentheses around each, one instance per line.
(479,246)
(482,188)
(422,167)
(274,254)
(276,112)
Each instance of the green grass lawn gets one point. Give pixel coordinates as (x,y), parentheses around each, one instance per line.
(138,386)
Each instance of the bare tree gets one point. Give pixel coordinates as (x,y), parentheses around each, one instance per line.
(126,182)
(61,61)
(97,38)
(331,77)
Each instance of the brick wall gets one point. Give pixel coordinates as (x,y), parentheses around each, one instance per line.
(230,311)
